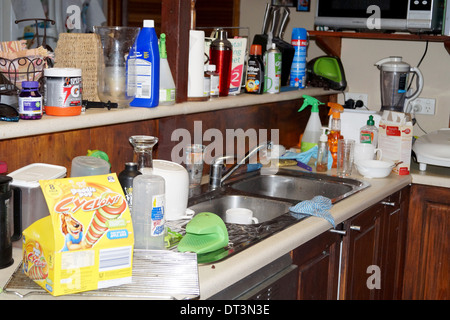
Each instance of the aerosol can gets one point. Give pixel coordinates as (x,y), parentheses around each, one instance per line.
(298,68)
(272,61)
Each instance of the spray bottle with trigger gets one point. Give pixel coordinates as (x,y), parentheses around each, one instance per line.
(313,128)
(335,131)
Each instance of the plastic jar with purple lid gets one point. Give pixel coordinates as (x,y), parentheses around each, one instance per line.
(30,101)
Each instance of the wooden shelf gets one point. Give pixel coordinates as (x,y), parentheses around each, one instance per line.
(331,41)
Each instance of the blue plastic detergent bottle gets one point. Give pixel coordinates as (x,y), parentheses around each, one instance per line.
(147,68)
(298,68)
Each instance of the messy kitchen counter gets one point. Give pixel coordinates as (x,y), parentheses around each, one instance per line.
(216,277)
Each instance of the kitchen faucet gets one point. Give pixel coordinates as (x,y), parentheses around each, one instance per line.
(215,175)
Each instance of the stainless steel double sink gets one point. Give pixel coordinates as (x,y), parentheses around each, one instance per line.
(269,197)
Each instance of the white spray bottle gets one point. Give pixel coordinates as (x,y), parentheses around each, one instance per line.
(313,128)
(167,89)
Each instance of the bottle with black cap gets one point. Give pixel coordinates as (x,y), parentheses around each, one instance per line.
(126,178)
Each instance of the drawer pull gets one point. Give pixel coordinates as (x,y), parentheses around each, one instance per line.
(387,203)
(341,232)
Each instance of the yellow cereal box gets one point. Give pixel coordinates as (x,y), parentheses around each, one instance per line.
(87,241)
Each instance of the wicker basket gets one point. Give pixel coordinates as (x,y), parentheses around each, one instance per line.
(80,50)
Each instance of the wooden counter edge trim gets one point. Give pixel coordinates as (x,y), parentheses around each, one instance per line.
(98,118)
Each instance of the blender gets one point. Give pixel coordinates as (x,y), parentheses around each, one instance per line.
(395,84)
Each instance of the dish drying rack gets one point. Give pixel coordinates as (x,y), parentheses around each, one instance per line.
(9,85)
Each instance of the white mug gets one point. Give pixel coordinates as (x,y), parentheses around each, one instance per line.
(240,216)
(365,151)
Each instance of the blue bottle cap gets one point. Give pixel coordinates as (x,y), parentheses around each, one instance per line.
(299,33)
(30,84)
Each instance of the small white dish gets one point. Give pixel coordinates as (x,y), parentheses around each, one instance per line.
(375,168)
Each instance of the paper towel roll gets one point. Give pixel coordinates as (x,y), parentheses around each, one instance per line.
(196,63)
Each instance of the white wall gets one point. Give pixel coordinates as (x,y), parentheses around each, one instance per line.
(359,56)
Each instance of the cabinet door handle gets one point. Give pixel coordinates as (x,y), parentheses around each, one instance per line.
(341,232)
(355,228)
(387,203)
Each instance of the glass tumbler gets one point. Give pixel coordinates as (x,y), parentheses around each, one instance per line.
(194,163)
(345,156)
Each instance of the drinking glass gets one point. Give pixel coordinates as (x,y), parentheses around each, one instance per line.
(346,150)
(194,163)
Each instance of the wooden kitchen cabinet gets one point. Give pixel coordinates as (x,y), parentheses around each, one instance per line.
(427,261)
(361,248)
(374,247)
(374,237)
(318,267)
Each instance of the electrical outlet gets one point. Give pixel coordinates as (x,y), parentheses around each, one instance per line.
(364,97)
(424,106)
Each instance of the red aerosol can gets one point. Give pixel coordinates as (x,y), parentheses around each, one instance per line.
(221,54)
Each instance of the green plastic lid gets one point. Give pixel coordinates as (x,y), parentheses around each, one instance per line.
(370,122)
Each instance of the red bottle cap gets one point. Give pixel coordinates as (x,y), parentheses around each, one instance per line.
(256,50)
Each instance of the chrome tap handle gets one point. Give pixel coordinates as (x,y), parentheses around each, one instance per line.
(217,166)
(216,171)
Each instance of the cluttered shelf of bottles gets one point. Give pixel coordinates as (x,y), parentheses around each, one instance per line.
(71,90)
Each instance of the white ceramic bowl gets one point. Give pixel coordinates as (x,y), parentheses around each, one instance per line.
(375,168)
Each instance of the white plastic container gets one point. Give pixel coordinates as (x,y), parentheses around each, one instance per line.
(27,179)
(84,166)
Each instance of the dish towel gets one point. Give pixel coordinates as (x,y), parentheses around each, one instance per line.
(319,206)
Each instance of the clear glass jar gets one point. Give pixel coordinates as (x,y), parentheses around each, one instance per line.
(143,152)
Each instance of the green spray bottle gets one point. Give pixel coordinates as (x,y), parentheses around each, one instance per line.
(313,129)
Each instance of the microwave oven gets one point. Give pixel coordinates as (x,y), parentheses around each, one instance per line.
(387,15)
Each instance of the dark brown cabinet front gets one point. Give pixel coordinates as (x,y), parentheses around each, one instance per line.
(427,266)
(371,257)
(318,267)
(373,250)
